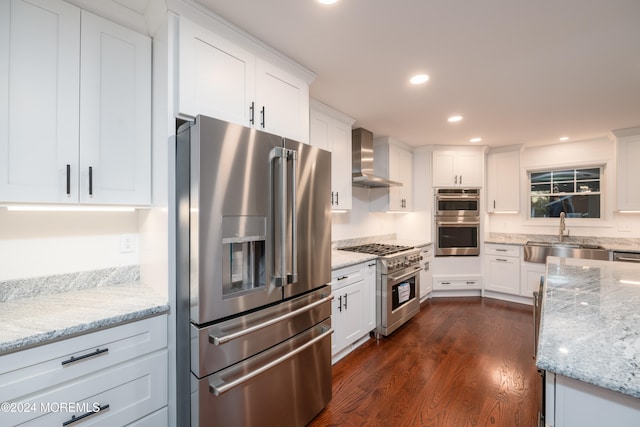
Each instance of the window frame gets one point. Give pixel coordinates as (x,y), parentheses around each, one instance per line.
(603,190)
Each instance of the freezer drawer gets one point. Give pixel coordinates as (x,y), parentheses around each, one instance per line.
(286,385)
(224,344)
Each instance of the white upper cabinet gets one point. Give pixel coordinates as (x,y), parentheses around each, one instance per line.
(503,183)
(627,154)
(331,130)
(220,79)
(76,120)
(395,163)
(115,114)
(216,77)
(282,102)
(39,92)
(458,168)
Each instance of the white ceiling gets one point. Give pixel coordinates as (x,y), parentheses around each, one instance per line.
(519,71)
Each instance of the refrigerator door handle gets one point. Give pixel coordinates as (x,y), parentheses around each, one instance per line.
(279,215)
(293,278)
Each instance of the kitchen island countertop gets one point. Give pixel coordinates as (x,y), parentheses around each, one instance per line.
(590,323)
(38,320)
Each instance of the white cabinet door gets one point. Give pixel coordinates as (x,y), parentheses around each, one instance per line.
(396,164)
(444,169)
(457,168)
(503,181)
(115,118)
(216,77)
(628,153)
(370,296)
(341,165)
(406,177)
(282,102)
(503,274)
(530,273)
(470,168)
(354,314)
(333,134)
(39,111)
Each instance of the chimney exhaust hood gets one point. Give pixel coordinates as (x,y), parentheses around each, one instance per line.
(362,161)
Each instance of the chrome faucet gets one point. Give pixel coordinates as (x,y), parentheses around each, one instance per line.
(563,226)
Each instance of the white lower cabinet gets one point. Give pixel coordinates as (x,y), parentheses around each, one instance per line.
(115,376)
(573,403)
(353,308)
(502,268)
(530,274)
(426,277)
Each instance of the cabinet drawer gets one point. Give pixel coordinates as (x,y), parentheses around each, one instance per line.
(126,393)
(503,250)
(456,283)
(347,276)
(23,372)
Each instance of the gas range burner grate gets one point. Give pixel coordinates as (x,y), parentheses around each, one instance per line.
(377,249)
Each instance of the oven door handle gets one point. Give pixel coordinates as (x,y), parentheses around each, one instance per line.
(461,223)
(219,389)
(412,272)
(219,340)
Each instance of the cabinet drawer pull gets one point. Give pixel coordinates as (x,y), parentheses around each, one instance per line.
(337,199)
(68,180)
(501,250)
(340,303)
(252,113)
(73,359)
(342,277)
(501,259)
(90,181)
(345,301)
(471,282)
(263,118)
(83,416)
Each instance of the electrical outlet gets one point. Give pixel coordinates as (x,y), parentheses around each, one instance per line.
(624,226)
(127,243)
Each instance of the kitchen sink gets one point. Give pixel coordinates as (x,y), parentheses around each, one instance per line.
(539,251)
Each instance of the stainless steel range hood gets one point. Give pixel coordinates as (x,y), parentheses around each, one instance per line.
(362,161)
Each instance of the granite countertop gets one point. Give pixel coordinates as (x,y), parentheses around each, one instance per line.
(609,243)
(38,320)
(340,259)
(590,323)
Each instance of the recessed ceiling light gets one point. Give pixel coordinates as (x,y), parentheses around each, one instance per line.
(564,138)
(475,140)
(328,1)
(418,79)
(454,119)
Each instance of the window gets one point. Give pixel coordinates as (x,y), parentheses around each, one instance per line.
(576,192)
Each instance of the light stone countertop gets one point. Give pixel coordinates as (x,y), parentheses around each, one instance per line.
(590,323)
(341,259)
(41,319)
(609,243)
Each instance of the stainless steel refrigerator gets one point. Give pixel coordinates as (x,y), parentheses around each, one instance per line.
(253,265)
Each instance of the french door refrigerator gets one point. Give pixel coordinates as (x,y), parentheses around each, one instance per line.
(253,267)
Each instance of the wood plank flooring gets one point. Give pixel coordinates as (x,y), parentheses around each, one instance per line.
(459,362)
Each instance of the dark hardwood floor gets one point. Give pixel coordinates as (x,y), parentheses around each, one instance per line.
(459,362)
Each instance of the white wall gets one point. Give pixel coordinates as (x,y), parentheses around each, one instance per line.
(34,244)
(581,153)
(416,225)
(359,222)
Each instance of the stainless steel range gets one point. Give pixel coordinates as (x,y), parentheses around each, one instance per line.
(397,284)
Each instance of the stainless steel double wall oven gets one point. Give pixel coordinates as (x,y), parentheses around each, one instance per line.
(457,221)
(253,264)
